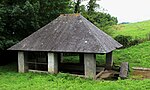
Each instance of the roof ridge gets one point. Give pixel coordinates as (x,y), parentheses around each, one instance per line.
(94,34)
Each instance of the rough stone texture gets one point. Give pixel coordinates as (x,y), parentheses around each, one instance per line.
(22,65)
(109,61)
(52,63)
(90,65)
(124,70)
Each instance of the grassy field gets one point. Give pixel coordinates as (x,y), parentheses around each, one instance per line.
(11,80)
(138,55)
(136,30)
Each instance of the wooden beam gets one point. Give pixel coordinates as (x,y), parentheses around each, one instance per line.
(90,65)
(109,61)
(37,71)
(22,59)
(99,74)
(52,63)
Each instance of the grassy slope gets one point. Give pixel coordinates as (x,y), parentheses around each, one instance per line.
(138,55)
(136,30)
(11,80)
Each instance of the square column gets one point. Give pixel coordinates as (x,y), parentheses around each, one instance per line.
(109,61)
(90,65)
(52,63)
(22,65)
(60,57)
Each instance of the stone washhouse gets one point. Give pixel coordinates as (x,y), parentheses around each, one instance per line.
(69,33)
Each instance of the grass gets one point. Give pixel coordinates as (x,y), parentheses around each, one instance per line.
(136,30)
(11,80)
(138,55)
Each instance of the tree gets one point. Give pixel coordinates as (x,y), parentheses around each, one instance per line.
(100,19)
(77,7)
(18,19)
(91,6)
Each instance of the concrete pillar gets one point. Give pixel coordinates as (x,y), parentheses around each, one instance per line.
(90,65)
(52,63)
(81,58)
(61,57)
(109,61)
(22,59)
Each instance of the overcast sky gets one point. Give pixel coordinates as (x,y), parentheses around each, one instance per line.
(127,10)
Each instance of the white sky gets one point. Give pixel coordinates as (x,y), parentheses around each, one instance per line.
(127,10)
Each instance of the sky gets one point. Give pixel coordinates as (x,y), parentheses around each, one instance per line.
(126,10)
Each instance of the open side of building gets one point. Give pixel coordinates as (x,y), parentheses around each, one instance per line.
(69,33)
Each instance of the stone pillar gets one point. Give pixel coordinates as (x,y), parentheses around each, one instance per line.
(81,58)
(109,61)
(90,65)
(22,65)
(52,63)
(61,57)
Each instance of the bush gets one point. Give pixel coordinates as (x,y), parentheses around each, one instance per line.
(128,41)
(135,42)
(124,40)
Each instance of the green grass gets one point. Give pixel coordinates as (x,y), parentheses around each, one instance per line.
(136,30)
(11,80)
(138,55)
(71,59)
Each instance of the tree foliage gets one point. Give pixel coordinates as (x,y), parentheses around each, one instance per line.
(77,7)
(92,6)
(100,19)
(20,18)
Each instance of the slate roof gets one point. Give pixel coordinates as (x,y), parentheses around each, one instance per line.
(68,33)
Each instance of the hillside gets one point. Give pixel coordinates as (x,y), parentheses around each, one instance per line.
(136,30)
(138,55)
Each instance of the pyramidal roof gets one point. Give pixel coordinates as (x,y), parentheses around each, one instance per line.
(68,33)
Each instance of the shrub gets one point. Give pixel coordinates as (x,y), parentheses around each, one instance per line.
(135,42)
(128,41)
(124,40)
